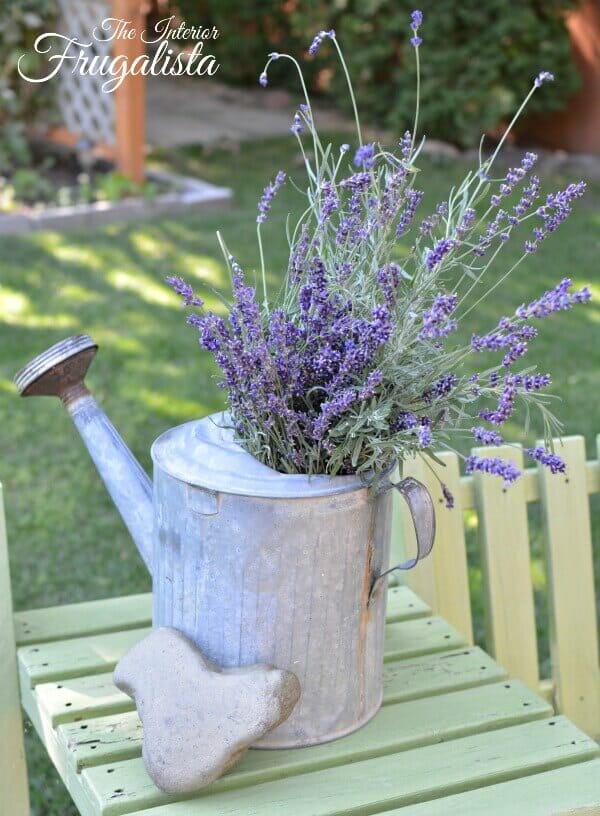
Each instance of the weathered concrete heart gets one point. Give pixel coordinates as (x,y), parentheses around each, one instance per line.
(198,719)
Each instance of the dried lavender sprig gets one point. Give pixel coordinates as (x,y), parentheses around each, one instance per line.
(269,193)
(416,20)
(487,437)
(547,459)
(185,291)
(508,471)
(318,39)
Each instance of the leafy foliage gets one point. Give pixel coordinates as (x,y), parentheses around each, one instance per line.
(21,102)
(483,62)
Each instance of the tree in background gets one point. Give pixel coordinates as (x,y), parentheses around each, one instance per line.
(482,60)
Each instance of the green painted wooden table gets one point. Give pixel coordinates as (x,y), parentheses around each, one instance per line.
(454,735)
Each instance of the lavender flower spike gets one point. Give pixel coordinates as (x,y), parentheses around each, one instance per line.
(364,156)
(487,437)
(543,76)
(494,465)
(435,320)
(185,291)
(297,127)
(269,193)
(549,460)
(316,43)
(416,20)
(263,79)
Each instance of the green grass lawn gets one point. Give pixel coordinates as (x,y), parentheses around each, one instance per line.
(67,541)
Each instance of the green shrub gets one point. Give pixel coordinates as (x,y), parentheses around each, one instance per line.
(478,58)
(21,102)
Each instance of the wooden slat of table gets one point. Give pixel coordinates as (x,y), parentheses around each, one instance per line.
(78,620)
(117,736)
(391,781)
(399,727)
(562,792)
(375,769)
(135,612)
(89,697)
(97,654)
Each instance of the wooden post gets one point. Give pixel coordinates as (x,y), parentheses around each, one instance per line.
(577,127)
(14,791)
(130,96)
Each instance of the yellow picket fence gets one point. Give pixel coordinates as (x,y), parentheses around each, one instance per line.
(442,579)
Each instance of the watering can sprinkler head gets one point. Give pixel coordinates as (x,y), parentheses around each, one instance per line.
(59,372)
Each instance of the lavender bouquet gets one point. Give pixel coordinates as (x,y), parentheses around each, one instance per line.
(355,365)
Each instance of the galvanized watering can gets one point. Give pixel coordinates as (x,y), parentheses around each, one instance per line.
(253,565)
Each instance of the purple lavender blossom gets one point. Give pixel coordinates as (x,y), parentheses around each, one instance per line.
(487,437)
(318,39)
(494,465)
(405,145)
(305,110)
(388,278)
(405,421)
(416,20)
(263,80)
(515,351)
(393,196)
(424,433)
(547,459)
(435,320)
(554,300)
(533,382)
(413,198)
(439,251)
(364,156)
(269,193)
(374,380)
(442,388)
(297,127)
(557,209)
(329,202)
(475,387)
(465,222)
(357,182)
(508,334)
(506,403)
(185,291)
(543,76)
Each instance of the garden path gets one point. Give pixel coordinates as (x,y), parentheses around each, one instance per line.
(182,111)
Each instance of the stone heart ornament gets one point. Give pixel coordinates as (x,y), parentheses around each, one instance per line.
(199,719)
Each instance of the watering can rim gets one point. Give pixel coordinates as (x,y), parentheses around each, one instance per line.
(203,453)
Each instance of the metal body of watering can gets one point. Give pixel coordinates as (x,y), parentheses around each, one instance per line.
(253,565)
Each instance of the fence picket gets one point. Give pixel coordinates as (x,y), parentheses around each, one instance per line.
(573,637)
(504,541)
(442,579)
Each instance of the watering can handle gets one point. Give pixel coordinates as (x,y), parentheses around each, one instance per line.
(422,513)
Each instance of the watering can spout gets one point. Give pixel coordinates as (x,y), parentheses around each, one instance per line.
(59,372)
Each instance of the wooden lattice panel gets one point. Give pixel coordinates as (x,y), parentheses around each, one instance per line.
(84,107)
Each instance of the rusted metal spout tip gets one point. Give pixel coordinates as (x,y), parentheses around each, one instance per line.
(58,371)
